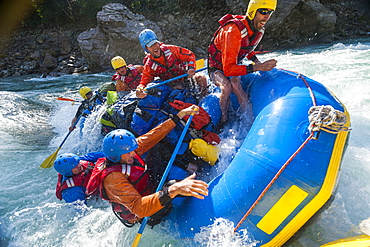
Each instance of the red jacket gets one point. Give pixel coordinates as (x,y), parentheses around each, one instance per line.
(174,61)
(233,41)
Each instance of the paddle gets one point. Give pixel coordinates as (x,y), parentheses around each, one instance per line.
(49,162)
(66,99)
(199,64)
(164,177)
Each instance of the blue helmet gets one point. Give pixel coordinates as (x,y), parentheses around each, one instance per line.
(118,142)
(147,38)
(65,163)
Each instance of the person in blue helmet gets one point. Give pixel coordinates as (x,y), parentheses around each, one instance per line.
(166,62)
(124,179)
(73,175)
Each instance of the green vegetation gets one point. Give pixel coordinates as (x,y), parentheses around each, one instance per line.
(63,12)
(66,12)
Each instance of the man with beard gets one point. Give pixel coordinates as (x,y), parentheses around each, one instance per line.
(235,39)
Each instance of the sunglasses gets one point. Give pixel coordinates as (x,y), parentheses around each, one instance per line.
(265,11)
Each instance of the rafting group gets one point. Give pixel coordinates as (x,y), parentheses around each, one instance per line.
(161,126)
(147,110)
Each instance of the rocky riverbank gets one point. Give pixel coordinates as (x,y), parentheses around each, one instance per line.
(83,49)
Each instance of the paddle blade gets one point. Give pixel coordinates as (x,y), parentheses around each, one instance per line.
(136,240)
(199,64)
(49,162)
(65,99)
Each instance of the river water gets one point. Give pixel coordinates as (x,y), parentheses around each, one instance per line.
(33,124)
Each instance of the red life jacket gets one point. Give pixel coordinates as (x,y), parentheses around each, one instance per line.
(80,179)
(173,67)
(199,121)
(136,173)
(247,45)
(132,80)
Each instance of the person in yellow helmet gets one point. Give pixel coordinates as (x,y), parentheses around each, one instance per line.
(235,39)
(90,100)
(127,77)
(86,92)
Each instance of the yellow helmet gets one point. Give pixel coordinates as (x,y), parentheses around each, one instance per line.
(83,91)
(259,4)
(118,62)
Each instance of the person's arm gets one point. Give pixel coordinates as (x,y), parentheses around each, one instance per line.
(72,127)
(139,68)
(121,86)
(73,194)
(146,77)
(230,40)
(184,55)
(150,139)
(93,156)
(120,190)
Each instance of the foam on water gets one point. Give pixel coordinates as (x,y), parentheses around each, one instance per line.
(34,124)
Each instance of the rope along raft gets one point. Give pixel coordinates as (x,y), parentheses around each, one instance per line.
(328,119)
(322,117)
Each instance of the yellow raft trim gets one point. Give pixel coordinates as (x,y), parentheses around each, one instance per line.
(282,209)
(356,241)
(321,198)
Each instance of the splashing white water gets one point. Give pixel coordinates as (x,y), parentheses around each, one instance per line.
(221,233)
(30,215)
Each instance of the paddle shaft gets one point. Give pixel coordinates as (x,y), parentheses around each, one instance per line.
(164,177)
(172,79)
(49,161)
(74,125)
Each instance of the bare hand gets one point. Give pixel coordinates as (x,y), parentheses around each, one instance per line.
(193,109)
(189,187)
(265,66)
(140,93)
(191,72)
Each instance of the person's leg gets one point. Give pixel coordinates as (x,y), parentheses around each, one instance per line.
(201,80)
(221,81)
(239,92)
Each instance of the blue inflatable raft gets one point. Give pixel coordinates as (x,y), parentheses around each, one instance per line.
(287,167)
